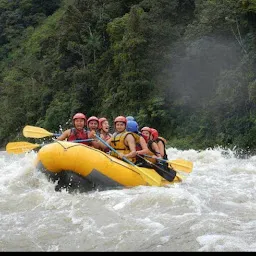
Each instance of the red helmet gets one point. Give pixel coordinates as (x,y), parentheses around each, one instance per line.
(154,133)
(79,115)
(121,119)
(92,118)
(146,128)
(101,120)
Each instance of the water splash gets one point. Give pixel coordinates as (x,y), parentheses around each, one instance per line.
(212,210)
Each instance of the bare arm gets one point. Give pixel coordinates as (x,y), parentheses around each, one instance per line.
(64,135)
(144,146)
(161,149)
(94,143)
(130,141)
(98,144)
(103,146)
(156,149)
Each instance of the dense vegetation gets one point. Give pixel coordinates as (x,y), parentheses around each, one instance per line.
(184,67)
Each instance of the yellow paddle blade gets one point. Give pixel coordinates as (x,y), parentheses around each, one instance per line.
(181,165)
(20,147)
(35,132)
(179,177)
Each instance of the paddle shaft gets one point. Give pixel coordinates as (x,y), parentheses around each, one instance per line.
(178,164)
(156,180)
(168,175)
(22,147)
(106,144)
(159,159)
(85,140)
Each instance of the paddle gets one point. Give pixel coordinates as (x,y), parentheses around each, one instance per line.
(22,146)
(37,132)
(168,175)
(179,164)
(153,180)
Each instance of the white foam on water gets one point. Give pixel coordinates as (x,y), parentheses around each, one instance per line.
(213,209)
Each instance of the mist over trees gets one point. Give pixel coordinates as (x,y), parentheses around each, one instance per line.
(184,67)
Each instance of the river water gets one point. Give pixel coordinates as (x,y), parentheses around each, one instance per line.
(213,209)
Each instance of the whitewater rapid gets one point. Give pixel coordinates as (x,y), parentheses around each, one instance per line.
(213,209)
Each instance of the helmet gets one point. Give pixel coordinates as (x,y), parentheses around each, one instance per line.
(146,128)
(101,120)
(120,119)
(79,115)
(92,118)
(154,133)
(130,118)
(132,126)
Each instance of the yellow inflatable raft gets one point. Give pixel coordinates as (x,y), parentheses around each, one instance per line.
(76,166)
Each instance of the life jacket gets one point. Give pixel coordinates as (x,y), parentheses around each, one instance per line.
(137,141)
(162,138)
(164,142)
(137,144)
(79,135)
(117,142)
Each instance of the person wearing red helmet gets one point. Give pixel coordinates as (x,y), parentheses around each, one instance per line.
(78,132)
(122,141)
(104,129)
(152,145)
(154,154)
(93,127)
(154,134)
(104,132)
(93,123)
(161,143)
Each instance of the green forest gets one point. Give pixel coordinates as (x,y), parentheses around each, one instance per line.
(184,67)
